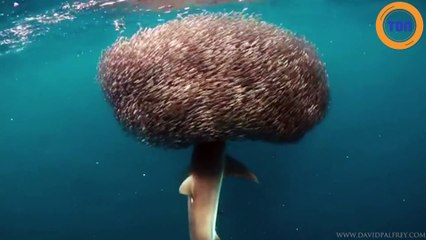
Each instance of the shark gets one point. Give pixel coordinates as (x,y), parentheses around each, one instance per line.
(209,165)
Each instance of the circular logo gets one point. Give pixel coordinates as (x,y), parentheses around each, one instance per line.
(399,25)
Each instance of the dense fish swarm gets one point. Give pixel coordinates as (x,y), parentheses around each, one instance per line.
(215,77)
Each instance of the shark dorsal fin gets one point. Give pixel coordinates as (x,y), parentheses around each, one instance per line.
(234,168)
(186,186)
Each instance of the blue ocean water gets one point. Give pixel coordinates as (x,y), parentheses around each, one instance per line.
(68,170)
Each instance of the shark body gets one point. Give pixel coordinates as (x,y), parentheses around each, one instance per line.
(209,165)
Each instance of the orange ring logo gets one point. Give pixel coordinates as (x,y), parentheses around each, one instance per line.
(413,26)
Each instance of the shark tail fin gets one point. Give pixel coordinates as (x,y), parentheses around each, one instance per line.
(234,168)
(186,186)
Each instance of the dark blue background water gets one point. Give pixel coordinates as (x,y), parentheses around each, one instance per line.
(68,171)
